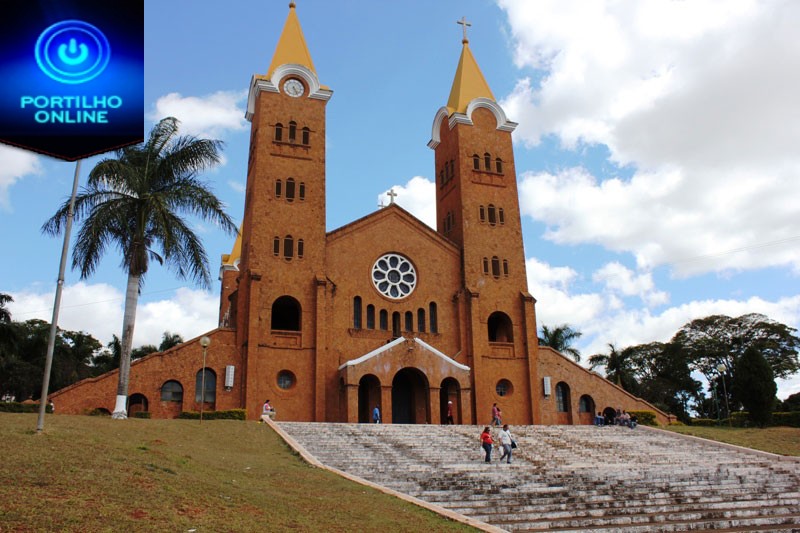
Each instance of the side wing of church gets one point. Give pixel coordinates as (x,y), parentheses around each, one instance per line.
(383,312)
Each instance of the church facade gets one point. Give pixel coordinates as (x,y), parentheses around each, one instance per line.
(383,312)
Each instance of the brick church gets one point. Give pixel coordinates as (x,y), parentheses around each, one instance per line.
(384,311)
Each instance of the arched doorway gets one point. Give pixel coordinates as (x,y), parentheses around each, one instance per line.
(563,404)
(450,391)
(137,403)
(410,397)
(586,409)
(369,395)
(609,414)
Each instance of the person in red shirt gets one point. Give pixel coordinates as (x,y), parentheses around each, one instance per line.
(486,442)
(449,412)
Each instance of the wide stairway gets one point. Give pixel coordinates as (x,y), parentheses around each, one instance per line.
(569,478)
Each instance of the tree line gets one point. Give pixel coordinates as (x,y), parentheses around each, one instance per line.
(740,358)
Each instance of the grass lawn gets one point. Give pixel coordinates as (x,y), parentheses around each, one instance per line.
(780,440)
(96,474)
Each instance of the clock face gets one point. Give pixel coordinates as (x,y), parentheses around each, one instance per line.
(394,276)
(293,88)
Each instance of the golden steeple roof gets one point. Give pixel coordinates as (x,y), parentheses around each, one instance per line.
(292,45)
(469,82)
(236,252)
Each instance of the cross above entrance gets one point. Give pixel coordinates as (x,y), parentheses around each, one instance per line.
(391,194)
(464,25)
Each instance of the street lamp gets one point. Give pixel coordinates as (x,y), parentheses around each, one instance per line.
(204,342)
(721,368)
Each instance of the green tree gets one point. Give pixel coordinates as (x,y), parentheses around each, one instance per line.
(754,385)
(135,202)
(792,403)
(169,340)
(618,367)
(5,314)
(560,338)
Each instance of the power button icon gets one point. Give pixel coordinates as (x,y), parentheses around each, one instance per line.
(72,51)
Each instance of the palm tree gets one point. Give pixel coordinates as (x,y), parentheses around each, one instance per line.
(168,340)
(560,338)
(5,314)
(135,202)
(618,365)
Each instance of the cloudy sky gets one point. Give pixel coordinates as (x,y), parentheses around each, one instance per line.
(656,151)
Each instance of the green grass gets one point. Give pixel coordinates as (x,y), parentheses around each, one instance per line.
(96,474)
(780,440)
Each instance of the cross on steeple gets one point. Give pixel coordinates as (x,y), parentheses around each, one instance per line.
(391,194)
(464,25)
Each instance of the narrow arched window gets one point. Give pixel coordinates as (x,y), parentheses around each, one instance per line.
(290,190)
(301,191)
(421,320)
(409,319)
(434,320)
(370,316)
(395,324)
(288,247)
(562,397)
(278,132)
(476,162)
(278,188)
(357,312)
(498,165)
(276,246)
(307,134)
(292,131)
(300,248)
(487,161)
(505,267)
(492,211)
(486,265)
(384,319)
(496,266)
(501,216)
(482,214)
(205,388)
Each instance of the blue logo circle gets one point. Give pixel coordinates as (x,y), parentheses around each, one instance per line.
(72,51)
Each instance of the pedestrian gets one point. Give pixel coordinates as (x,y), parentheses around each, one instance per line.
(376,415)
(599,420)
(507,442)
(449,412)
(486,443)
(496,415)
(267,410)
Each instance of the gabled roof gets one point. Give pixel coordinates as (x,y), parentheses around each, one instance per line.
(468,83)
(291,47)
(397,342)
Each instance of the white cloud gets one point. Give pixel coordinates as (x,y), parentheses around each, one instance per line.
(698,97)
(237,186)
(417,196)
(619,279)
(209,116)
(97,309)
(14,165)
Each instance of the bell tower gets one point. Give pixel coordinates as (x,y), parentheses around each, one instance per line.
(282,251)
(477,206)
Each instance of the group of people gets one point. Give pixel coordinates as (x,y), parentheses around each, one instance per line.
(506,442)
(620,418)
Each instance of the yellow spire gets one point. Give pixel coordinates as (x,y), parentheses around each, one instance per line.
(292,45)
(469,82)
(236,252)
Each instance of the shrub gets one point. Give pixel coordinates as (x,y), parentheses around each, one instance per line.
(142,414)
(791,419)
(231,414)
(646,418)
(19,407)
(703,422)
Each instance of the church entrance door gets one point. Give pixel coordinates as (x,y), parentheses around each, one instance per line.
(410,394)
(369,395)
(450,392)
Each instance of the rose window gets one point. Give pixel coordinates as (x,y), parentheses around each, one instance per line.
(394,276)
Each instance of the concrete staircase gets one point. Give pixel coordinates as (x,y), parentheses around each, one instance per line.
(569,478)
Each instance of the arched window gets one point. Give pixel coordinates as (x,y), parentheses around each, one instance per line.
(307,134)
(487,161)
(500,328)
(434,320)
(288,247)
(492,212)
(501,216)
(290,190)
(498,165)
(209,394)
(495,267)
(421,319)
(586,404)
(301,191)
(505,267)
(409,321)
(476,162)
(300,250)
(562,397)
(172,391)
(357,312)
(278,132)
(395,324)
(370,316)
(285,314)
(486,265)
(384,319)
(278,188)
(276,246)
(482,214)
(292,131)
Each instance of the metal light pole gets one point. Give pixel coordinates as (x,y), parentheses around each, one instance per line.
(51,339)
(716,402)
(204,342)
(721,368)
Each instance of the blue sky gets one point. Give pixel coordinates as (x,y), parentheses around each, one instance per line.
(656,151)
